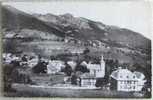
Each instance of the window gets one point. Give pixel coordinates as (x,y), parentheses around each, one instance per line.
(133,76)
(134,82)
(127,76)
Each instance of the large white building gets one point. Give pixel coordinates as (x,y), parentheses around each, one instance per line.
(125,80)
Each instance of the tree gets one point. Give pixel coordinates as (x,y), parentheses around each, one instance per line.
(100,82)
(116,63)
(81,68)
(7,70)
(126,65)
(41,67)
(86,51)
(67,70)
(10,45)
(74,79)
(18,76)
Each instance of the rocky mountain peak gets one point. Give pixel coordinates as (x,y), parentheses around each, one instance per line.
(67,15)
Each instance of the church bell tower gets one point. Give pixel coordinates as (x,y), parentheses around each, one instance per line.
(102,66)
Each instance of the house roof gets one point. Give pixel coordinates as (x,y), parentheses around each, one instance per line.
(139,75)
(118,72)
(72,63)
(84,63)
(125,74)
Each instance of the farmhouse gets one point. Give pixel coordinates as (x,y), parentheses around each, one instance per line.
(125,80)
(54,66)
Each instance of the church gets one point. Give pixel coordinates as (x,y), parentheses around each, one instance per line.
(96,71)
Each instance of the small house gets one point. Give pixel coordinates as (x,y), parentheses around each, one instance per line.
(7,58)
(55,66)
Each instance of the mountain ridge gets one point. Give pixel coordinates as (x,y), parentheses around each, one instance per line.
(100,28)
(78,28)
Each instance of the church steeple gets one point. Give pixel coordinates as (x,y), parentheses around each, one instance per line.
(102,59)
(102,65)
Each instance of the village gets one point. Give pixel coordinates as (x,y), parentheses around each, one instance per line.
(82,74)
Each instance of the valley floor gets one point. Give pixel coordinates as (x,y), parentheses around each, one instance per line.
(25,90)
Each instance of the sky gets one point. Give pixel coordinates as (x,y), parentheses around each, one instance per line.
(135,16)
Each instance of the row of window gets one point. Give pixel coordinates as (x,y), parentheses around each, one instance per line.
(127,76)
(89,80)
(128,82)
(126,87)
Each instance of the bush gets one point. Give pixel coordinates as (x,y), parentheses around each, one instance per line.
(67,70)
(100,82)
(41,67)
(81,68)
(74,79)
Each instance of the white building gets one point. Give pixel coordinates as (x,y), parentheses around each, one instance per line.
(8,58)
(87,80)
(125,80)
(54,66)
(98,70)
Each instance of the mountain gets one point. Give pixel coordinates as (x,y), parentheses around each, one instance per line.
(90,30)
(68,25)
(118,43)
(13,19)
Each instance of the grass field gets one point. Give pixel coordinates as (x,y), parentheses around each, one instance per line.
(47,79)
(23,90)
